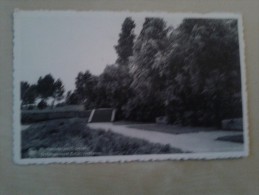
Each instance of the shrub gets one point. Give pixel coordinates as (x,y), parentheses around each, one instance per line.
(42,105)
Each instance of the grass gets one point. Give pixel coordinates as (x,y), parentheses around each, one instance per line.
(29,117)
(72,138)
(172,129)
(232,138)
(67,108)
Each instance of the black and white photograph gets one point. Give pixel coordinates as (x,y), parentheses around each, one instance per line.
(102,86)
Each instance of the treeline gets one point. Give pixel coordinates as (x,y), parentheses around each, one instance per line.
(190,74)
(45,88)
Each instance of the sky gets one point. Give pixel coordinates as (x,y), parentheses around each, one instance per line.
(64,43)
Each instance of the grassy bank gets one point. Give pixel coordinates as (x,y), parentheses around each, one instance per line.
(33,116)
(172,129)
(232,138)
(72,138)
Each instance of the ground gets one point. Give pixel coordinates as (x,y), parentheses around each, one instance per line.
(58,137)
(73,138)
(190,139)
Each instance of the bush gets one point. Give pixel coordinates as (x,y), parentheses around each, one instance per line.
(42,105)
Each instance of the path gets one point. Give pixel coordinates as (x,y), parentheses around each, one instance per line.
(193,142)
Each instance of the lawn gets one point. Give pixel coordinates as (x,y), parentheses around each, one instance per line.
(33,116)
(73,138)
(232,138)
(164,128)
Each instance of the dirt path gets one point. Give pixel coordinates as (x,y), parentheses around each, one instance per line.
(193,142)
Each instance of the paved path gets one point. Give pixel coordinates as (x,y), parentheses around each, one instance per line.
(193,142)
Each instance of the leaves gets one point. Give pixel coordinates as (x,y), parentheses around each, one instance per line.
(85,86)
(45,88)
(124,48)
(28,93)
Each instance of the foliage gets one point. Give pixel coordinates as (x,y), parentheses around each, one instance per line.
(42,105)
(146,102)
(124,48)
(28,93)
(72,98)
(85,87)
(58,91)
(203,72)
(24,88)
(76,139)
(190,73)
(46,86)
(113,87)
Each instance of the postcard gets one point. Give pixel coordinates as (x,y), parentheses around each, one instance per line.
(103,86)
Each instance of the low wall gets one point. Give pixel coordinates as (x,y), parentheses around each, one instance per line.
(31,117)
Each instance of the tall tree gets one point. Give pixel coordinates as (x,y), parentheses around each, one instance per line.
(149,49)
(124,48)
(203,71)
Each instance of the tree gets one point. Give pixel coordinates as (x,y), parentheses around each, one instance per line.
(150,46)
(203,72)
(85,87)
(46,86)
(72,98)
(24,89)
(124,48)
(113,88)
(58,91)
(28,93)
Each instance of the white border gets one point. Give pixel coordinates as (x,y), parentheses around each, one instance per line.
(128,158)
